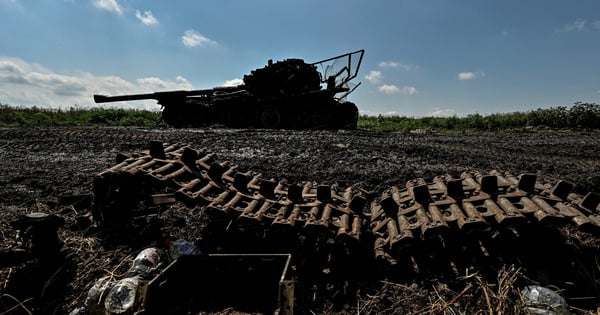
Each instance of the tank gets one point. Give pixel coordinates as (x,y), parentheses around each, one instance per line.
(287,94)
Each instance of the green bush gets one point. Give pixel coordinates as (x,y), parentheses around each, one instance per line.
(20,116)
(580,115)
(584,115)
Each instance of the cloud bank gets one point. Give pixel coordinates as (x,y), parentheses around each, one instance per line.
(28,84)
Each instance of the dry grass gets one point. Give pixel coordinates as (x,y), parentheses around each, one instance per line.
(472,295)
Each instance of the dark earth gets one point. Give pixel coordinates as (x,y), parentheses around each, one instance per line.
(51,170)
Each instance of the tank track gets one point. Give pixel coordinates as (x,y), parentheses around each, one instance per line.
(224,192)
(444,224)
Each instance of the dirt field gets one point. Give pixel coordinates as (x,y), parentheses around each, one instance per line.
(44,169)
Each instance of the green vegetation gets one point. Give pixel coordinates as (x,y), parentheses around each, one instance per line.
(579,116)
(19,116)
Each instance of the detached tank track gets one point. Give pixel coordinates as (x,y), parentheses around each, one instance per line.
(443,224)
(223,192)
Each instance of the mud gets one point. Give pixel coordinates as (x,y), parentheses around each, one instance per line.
(51,170)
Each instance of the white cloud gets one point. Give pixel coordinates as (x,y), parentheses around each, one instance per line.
(27,84)
(466,76)
(596,24)
(438,112)
(374,77)
(392,89)
(147,18)
(470,75)
(395,64)
(109,5)
(182,81)
(389,64)
(233,82)
(191,38)
(408,90)
(157,84)
(577,26)
(389,89)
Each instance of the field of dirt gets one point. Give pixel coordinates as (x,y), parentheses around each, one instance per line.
(48,169)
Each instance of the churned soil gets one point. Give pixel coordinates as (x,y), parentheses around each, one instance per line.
(48,169)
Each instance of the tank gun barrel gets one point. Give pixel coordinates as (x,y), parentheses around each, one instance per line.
(161,97)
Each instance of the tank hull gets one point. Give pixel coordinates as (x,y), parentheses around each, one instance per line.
(302,112)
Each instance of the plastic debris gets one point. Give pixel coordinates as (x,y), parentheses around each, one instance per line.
(122,296)
(109,296)
(543,301)
(97,295)
(147,261)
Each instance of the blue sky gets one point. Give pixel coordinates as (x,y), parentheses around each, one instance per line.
(422,57)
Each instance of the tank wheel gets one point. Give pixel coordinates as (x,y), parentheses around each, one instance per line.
(270,118)
(350,116)
(300,120)
(237,119)
(322,119)
(172,117)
